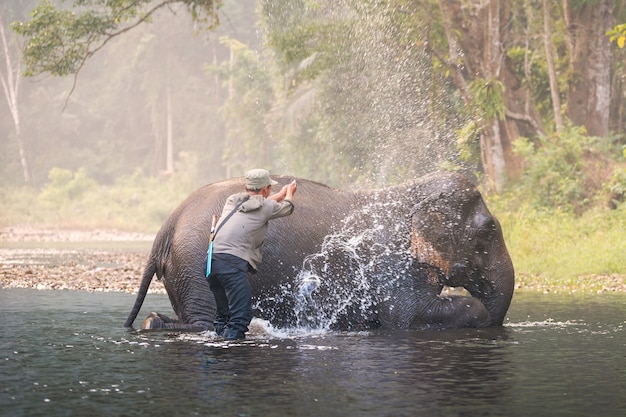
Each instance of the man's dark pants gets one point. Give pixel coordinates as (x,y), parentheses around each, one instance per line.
(230,286)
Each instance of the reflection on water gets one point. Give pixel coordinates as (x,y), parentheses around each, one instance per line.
(65,353)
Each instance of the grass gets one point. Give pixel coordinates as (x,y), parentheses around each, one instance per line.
(554,250)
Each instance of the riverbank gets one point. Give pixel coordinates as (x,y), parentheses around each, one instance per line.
(86,266)
(30,234)
(85,260)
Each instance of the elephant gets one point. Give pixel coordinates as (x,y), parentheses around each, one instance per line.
(347,260)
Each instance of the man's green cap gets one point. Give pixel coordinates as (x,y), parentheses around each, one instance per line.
(258,178)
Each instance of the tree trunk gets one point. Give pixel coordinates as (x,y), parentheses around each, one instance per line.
(491,144)
(229,95)
(476,36)
(618,79)
(554,87)
(10,86)
(169,147)
(169,115)
(588,96)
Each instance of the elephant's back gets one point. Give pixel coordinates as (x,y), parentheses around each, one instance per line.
(318,209)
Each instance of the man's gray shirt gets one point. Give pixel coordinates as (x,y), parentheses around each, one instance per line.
(243,234)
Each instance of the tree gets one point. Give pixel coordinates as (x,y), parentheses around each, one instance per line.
(477,42)
(618,77)
(60,41)
(249,99)
(588,96)
(10,85)
(358,96)
(554,88)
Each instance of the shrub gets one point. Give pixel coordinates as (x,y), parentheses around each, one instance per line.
(73,200)
(65,186)
(559,170)
(616,188)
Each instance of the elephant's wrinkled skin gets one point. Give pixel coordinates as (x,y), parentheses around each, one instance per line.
(386,256)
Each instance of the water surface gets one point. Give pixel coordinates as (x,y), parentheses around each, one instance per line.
(66,353)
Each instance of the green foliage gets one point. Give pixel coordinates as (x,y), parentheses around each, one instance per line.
(59,41)
(553,175)
(293,44)
(618,35)
(383,107)
(616,188)
(204,11)
(468,141)
(65,185)
(487,98)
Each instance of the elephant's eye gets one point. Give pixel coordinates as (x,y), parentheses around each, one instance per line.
(484,233)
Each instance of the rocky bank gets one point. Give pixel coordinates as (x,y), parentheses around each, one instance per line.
(70,260)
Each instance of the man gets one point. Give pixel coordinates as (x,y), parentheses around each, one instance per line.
(237,248)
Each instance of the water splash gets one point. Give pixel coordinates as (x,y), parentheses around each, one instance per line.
(344,282)
(382,113)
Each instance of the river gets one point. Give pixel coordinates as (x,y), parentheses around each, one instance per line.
(65,353)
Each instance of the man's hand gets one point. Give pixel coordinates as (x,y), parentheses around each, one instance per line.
(291,190)
(286,192)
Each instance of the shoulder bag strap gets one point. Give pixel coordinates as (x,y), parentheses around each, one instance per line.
(230,215)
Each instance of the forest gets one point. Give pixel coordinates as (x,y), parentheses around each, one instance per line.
(114,110)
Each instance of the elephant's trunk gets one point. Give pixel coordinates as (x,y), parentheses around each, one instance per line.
(493,286)
(498,299)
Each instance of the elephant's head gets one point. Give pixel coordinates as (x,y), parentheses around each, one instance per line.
(452,229)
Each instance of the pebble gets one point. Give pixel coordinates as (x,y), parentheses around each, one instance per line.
(76,269)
